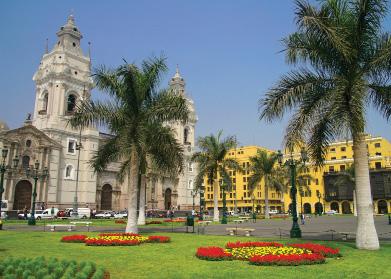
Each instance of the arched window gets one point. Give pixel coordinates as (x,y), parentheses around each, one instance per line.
(25,161)
(71,103)
(68,171)
(186,135)
(44,104)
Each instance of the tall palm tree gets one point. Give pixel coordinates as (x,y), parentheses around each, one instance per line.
(344,60)
(213,164)
(263,167)
(135,114)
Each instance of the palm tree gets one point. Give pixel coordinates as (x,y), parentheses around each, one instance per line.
(344,63)
(135,115)
(263,167)
(213,164)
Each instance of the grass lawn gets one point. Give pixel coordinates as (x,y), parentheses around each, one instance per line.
(177,260)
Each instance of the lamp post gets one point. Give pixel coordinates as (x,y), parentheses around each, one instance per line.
(291,163)
(301,200)
(36,174)
(201,203)
(3,168)
(75,202)
(224,219)
(319,204)
(193,193)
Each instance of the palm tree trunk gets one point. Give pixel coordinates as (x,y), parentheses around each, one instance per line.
(131,226)
(216,201)
(141,211)
(267,215)
(354,203)
(366,232)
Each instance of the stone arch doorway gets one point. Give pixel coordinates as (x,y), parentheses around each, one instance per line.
(23,193)
(382,207)
(334,206)
(318,208)
(167,199)
(307,208)
(106,197)
(346,208)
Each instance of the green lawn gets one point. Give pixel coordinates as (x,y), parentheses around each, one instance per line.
(177,260)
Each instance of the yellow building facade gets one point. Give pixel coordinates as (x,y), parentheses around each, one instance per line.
(321,192)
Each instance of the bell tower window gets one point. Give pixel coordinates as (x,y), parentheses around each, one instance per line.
(71,104)
(186,136)
(44,104)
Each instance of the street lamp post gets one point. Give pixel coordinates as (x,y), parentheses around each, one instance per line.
(75,202)
(295,230)
(201,203)
(301,201)
(3,168)
(224,219)
(193,193)
(37,174)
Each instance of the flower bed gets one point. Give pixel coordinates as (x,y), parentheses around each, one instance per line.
(52,268)
(269,253)
(115,239)
(318,249)
(179,220)
(213,254)
(74,238)
(120,222)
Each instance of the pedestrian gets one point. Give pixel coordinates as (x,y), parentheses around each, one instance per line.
(302,219)
(43,206)
(168,213)
(25,213)
(52,211)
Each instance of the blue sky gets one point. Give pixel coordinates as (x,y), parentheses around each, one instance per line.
(227,51)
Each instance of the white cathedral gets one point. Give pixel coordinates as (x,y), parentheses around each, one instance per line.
(62,79)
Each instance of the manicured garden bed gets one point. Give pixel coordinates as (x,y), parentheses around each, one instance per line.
(178,260)
(42,268)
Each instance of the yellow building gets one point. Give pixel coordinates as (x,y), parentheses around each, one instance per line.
(321,191)
(240,197)
(339,157)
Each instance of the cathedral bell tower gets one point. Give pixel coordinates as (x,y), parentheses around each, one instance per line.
(62,80)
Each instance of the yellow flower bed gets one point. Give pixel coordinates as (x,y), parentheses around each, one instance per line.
(120,238)
(248,252)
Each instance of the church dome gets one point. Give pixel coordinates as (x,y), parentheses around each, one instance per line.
(3,126)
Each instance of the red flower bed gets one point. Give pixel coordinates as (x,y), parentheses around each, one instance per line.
(120,222)
(159,239)
(318,249)
(213,254)
(238,244)
(288,259)
(153,223)
(119,234)
(112,242)
(74,238)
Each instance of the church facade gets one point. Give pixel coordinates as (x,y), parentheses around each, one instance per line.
(48,143)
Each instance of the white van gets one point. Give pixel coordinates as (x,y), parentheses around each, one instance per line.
(84,212)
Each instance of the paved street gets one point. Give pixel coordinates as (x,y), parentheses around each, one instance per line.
(325,227)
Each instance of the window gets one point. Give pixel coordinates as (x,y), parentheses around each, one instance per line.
(273,195)
(233,180)
(342,167)
(230,195)
(69,172)
(190,167)
(234,173)
(71,103)
(74,44)
(186,136)
(377,145)
(343,157)
(244,179)
(343,149)
(190,185)
(378,153)
(317,181)
(28,143)
(377,165)
(45,103)
(244,194)
(25,161)
(72,146)
(331,169)
(333,158)
(332,149)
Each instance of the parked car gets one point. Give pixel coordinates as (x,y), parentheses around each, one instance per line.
(331,212)
(121,214)
(273,211)
(104,215)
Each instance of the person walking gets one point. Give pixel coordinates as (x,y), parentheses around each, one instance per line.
(302,219)
(25,213)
